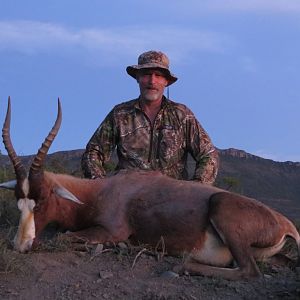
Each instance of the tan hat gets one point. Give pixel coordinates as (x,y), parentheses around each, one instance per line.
(152,59)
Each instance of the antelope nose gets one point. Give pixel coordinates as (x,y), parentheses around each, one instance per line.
(25,247)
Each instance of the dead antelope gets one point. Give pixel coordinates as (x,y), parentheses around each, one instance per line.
(212,227)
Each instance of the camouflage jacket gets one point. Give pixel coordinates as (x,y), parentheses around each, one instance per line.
(163,146)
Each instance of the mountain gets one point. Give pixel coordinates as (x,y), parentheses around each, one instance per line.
(275,183)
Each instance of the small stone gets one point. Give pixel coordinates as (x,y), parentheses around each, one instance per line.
(122,245)
(98,249)
(105,274)
(169,274)
(80,253)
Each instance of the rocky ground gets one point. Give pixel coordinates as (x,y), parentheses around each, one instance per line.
(61,271)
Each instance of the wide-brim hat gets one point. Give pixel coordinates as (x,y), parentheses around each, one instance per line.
(152,60)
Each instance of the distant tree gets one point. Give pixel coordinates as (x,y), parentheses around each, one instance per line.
(9,213)
(57,166)
(231,183)
(6,173)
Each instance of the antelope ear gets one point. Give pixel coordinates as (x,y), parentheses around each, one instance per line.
(10,185)
(64,193)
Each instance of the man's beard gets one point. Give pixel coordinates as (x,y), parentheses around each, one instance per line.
(152,95)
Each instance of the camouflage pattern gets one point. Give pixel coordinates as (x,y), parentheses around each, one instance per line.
(163,146)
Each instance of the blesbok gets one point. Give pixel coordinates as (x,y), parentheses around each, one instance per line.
(212,227)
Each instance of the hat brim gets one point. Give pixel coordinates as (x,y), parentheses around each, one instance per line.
(132,71)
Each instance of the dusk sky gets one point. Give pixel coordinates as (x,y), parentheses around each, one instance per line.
(238,64)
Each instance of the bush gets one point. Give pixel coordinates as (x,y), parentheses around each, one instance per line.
(9,213)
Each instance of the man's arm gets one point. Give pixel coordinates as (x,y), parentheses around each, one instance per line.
(203,151)
(99,149)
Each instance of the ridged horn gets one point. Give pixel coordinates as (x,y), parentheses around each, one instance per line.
(20,170)
(39,159)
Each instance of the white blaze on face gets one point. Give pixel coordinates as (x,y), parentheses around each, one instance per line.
(26,230)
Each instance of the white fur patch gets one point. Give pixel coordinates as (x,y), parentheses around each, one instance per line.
(213,252)
(25,187)
(26,230)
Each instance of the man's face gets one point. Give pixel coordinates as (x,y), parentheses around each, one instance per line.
(152,84)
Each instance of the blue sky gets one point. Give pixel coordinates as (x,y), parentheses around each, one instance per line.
(237,62)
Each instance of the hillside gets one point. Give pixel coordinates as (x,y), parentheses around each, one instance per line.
(260,177)
(276,183)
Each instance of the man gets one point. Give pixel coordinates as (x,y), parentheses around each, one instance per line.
(152,132)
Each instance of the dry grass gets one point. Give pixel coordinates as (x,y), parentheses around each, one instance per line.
(56,244)
(10,261)
(9,213)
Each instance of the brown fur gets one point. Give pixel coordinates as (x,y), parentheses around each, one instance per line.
(147,207)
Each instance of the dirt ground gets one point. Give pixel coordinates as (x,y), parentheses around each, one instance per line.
(62,271)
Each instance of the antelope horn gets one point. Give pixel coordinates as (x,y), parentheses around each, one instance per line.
(39,159)
(20,170)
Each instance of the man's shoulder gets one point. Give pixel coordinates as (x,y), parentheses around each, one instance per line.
(178,107)
(126,106)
